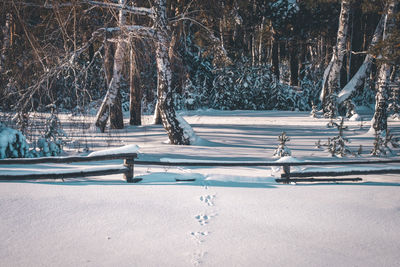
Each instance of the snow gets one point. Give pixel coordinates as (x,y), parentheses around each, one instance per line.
(288,159)
(352,85)
(188,132)
(355,117)
(12,143)
(229,216)
(120,150)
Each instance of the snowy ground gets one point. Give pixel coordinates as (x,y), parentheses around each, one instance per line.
(229,217)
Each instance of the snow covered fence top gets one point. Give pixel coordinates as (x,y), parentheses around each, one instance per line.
(127,153)
(66,159)
(291,161)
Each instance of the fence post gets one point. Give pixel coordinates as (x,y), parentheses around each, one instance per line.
(285,174)
(128,176)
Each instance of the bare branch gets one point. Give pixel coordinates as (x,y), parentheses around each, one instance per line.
(130,9)
(132,30)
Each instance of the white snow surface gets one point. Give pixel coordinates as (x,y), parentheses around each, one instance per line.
(355,117)
(119,150)
(229,216)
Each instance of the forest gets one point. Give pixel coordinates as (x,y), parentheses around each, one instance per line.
(161,56)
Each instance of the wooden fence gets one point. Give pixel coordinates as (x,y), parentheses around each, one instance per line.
(129,161)
(286,174)
(126,169)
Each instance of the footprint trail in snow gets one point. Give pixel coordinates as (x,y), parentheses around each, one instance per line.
(203,219)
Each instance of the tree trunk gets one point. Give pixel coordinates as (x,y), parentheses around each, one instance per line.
(275,57)
(179,132)
(294,63)
(379,121)
(108,60)
(111,105)
(358,79)
(135,103)
(331,82)
(6,31)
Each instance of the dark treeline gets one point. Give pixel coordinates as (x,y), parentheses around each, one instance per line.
(115,56)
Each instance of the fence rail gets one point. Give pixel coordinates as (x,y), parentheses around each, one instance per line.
(286,175)
(126,169)
(129,161)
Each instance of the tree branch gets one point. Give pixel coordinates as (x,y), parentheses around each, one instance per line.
(130,9)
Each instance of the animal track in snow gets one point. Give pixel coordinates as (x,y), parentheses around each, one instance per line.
(203,219)
(199,236)
(198,258)
(208,199)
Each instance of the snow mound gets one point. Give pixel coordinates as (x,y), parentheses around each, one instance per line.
(118,150)
(288,159)
(355,117)
(188,132)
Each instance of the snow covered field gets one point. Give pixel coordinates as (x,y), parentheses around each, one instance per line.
(229,216)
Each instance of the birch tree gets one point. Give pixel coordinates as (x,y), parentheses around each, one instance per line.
(379,121)
(331,78)
(358,79)
(111,105)
(178,130)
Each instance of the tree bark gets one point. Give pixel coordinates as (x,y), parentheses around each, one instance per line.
(111,105)
(358,79)
(379,121)
(331,82)
(179,132)
(6,31)
(135,103)
(294,63)
(275,56)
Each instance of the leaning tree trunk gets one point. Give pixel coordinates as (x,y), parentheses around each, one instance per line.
(179,132)
(331,81)
(358,79)
(379,121)
(111,105)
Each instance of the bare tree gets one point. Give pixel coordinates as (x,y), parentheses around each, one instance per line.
(331,79)
(179,132)
(135,106)
(379,121)
(111,105)
(358,79)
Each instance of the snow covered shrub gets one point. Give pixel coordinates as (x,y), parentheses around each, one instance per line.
(282,150)
(314,110)
(337,145)
(384,143)
(12,143)
(331,107)
(21,120)
(311,81)
(394,103)
(198,76)
(248,87)
(52,141)
(286,97)
(350,108)
(243,87)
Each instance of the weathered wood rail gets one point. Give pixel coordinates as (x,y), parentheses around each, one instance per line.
(129,161)
(286,174)
(127,169)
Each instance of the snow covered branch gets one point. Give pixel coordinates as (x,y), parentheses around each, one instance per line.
(130,9)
